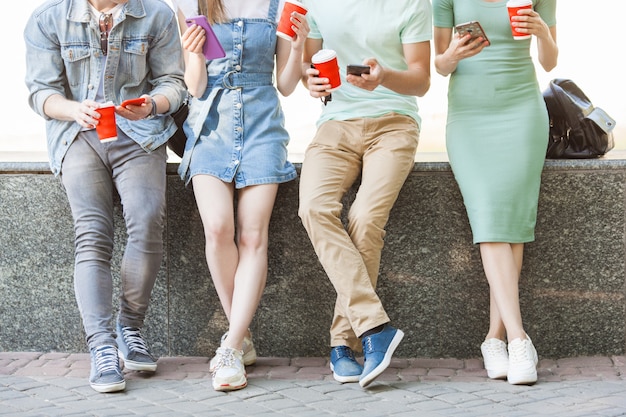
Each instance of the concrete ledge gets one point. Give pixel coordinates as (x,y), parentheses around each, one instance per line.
(431,280)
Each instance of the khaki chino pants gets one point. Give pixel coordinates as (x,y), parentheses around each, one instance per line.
(382,152)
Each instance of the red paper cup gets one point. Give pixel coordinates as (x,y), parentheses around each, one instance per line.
(325,61)
(284,24)
(106,128)
(513,6)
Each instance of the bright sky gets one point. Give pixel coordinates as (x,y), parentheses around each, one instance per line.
(591,54)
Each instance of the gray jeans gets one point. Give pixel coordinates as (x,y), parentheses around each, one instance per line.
(91,172)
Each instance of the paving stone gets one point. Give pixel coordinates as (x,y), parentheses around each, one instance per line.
(304,389)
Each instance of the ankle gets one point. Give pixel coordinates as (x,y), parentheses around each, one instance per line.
(372,331)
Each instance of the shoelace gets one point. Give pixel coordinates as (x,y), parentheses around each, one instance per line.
(106,359)
(134,340)
(519,352)
(344,352)
(225,358)
(369,347)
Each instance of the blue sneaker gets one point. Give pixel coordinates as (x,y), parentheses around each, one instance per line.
(378,349)
(133,350)
(344,365)
(106,375)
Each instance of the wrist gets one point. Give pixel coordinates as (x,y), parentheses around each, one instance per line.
(153,110)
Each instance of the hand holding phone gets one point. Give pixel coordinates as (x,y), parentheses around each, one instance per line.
(212,48)
(353,69)
(133,102)
(473,29)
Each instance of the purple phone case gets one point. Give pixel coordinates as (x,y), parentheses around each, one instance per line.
(212,48)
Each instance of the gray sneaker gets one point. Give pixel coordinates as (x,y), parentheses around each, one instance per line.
(106,375)
(133,350)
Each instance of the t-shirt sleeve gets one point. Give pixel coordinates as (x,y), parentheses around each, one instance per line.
(314,32)
(547,11)
(443,13)
(419,23)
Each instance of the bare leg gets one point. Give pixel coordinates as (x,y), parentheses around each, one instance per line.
(215,204)
(502,265)
(253,217)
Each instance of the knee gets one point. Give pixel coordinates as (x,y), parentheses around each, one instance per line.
(218,233)
(316,211)
(253,240)
(94,236)
(364,224)
(145,222)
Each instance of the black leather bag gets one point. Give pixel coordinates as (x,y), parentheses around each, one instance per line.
(578,130)
(177,142)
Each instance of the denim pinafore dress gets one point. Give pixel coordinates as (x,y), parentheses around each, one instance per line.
(236,130)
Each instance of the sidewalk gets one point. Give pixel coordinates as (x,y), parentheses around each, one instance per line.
(55,384)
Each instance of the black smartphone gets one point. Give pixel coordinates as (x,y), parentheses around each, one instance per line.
(357,69)
(473,28)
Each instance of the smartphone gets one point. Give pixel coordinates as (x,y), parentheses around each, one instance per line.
(357,69)
(212,48)
(473,28)
(133,102)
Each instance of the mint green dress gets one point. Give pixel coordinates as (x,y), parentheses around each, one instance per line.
(497,127)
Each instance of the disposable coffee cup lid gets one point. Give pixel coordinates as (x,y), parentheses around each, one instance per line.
(517,3)
(323,55)
(298,3)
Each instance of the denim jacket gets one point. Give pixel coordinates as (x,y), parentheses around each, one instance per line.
(63,56)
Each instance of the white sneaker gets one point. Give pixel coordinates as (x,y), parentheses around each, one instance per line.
(229,373)
(495,358)
(249,352)
(522,362)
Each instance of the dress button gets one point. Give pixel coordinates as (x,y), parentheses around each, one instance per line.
(237,67)
(238,105)
(236,162)
(240,23)
(238,46)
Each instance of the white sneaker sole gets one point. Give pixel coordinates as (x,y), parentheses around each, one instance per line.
(230,386)
(526,376)
(497,373)
(120,386)
(397,338)
(343,379)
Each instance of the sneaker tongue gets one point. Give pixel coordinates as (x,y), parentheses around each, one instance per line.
(517,349)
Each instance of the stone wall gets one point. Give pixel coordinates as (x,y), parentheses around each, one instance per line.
(431,280)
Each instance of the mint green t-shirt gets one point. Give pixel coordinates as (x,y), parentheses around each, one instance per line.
(363,29)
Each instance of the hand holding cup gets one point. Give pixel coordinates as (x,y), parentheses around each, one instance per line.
(285,26)
(513,6)
(106,127)
(325,61)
